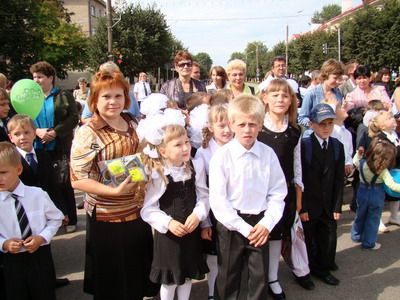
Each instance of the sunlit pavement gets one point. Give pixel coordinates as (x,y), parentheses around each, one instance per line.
(362,274)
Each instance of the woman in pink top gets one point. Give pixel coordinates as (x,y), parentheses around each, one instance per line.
(364,92)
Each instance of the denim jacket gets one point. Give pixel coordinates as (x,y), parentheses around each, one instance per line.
(313,98)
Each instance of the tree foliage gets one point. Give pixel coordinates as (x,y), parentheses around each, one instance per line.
(328,12)
(142,37)
(35,30)
(237,55)
(372,36)
(205,63)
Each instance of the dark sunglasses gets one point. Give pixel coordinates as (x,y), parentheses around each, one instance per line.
(183,64)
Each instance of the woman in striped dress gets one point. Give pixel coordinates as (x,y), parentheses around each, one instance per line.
(118,242)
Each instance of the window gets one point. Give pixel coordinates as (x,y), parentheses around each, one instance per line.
(93,11)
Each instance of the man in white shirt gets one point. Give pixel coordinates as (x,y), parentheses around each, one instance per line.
(247,189)
(141,89)
(278,71)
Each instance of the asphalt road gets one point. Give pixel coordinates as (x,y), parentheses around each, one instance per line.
(363,274)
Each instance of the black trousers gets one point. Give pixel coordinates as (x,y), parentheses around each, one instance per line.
(30,275)
(321,240)
(2,287)
(234,254)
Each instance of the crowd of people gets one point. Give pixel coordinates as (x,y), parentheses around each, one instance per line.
(232,177)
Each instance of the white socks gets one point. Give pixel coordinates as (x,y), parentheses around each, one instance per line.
(183,291)
(394,210)
(212,275)
(274,255)
(167,292)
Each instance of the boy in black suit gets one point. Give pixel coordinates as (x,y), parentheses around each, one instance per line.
(37,167)
(323,173)
(4,110)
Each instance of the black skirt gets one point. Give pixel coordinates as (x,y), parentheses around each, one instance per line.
(118,260)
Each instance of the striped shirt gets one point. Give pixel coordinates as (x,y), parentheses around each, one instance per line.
(97,141)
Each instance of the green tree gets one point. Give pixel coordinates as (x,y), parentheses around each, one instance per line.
(142,37)
(372,36)
(328,12)
(255,50)
(35,30)
(237,55)
(205,63)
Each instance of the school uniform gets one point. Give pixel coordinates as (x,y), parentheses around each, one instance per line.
(323,193)
(175,259)
(3,130)
(43,177)
(29,275)
(247,187)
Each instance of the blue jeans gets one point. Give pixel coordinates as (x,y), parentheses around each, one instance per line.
(370,202)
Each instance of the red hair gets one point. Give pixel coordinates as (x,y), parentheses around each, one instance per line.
(105,80)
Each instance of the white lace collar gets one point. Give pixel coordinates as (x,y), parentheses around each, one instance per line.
(271,126)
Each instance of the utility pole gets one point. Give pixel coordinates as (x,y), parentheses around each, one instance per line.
(109,31)
(339,45)
(287,49)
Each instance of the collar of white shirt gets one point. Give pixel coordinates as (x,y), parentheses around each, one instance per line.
(320,141)
(19,191)
(238,150)
(24,153)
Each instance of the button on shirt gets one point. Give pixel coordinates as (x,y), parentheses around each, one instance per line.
(249,182)
(44,217)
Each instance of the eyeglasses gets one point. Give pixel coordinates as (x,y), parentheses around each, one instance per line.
(183,64)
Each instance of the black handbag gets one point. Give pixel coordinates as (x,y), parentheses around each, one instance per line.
(61,169)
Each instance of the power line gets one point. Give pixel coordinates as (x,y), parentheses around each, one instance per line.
(235,19)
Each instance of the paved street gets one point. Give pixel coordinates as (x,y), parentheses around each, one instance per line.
(363,274)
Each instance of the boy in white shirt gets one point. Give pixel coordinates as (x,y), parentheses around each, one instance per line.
(247,188)
(28,222)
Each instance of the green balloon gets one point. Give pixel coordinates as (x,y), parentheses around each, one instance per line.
(27,97)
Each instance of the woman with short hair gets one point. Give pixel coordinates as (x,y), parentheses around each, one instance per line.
(236,71)
(179,89)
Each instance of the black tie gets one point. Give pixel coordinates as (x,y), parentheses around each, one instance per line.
(324,145)
(145,90)
(32,162)
(22,218)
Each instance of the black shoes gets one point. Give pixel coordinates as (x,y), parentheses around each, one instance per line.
(305,282)
(60,282)
(327,277)
(334,267)
(276,296)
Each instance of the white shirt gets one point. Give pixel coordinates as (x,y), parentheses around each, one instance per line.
(320,141)
(44,217)
(293,84)
(202,158)
(249,182)
(24,154)
(139,89)
(344,136)
(151,212)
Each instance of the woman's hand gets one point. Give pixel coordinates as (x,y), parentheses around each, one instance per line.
(41,132)
(126,187)
(192,222)
(49,136)
(177,228)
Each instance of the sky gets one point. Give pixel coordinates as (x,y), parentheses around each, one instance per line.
(221,27)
